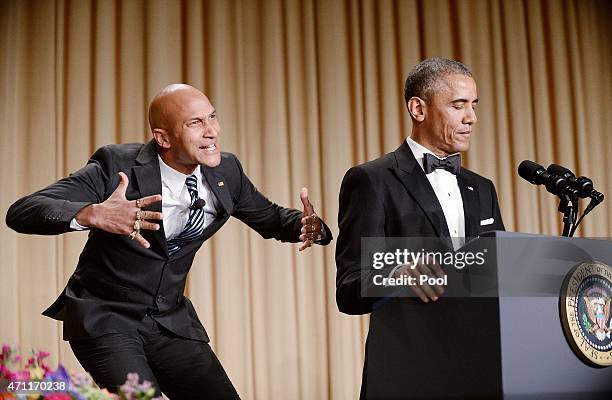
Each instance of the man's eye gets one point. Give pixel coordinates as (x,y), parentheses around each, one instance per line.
(213,116)
(195,122)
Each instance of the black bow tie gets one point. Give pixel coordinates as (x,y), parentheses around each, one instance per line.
(450,163)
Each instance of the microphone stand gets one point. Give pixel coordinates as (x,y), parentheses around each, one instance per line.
(569,207)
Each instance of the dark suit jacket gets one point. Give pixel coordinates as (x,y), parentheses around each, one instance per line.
(117,281)
(414,350)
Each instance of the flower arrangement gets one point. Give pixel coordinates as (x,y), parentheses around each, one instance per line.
(36,381)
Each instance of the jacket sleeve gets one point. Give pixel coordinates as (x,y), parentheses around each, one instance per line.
(499,223)
(50,210)
(360,214)
(267,218)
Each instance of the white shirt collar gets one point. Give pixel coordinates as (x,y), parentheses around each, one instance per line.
(173,179)
(419,151)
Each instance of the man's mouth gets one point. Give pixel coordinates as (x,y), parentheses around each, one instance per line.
(210,148)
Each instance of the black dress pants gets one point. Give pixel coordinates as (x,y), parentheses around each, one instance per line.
(181,368)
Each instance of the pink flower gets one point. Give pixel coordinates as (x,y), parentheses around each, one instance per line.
(19,375)
(57,396)
(42,354)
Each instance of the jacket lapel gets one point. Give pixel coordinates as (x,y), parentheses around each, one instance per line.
(414,180)
(219,187)
(148,180)
(471,202)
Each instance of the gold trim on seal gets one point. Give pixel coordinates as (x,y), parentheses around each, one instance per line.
(594,352)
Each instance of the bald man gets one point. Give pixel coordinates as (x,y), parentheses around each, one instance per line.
(149,207)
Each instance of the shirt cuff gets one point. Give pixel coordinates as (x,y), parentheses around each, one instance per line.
(323,236)
(74,225)
(394,270)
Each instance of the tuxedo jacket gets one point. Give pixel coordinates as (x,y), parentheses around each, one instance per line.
(117,281)
(415,350)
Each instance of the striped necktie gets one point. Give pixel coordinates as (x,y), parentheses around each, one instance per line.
(195,224)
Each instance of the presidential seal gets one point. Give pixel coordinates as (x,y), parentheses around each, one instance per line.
(584,304)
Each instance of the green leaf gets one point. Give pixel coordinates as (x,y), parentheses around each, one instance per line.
(586,322)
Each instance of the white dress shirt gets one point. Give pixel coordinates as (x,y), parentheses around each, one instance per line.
(447,191)
(176,200)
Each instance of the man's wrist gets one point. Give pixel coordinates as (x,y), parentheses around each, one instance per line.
(86,216)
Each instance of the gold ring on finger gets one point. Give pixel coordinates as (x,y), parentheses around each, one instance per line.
(139,215)
(133,234)
(139,203)
(137,225)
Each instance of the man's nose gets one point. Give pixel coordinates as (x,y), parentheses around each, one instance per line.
(209,129)
(470,116)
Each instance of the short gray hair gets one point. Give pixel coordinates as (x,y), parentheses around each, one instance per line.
(425,75)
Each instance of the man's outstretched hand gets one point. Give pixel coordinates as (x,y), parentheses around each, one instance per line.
(311,224)
(119,215)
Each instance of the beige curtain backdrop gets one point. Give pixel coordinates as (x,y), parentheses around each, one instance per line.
(304,90)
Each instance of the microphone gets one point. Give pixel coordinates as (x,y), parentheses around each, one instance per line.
(199,203)
(562,182)
(582,184)
(536,174)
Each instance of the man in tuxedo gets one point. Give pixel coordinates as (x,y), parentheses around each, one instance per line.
(149,207)
(425,345)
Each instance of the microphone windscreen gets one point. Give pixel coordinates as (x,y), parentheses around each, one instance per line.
(557,169)
(528,170)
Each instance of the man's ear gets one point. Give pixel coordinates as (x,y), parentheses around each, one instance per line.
(161,138)
(416,108)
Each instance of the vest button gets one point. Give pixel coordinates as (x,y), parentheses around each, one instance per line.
(161,299)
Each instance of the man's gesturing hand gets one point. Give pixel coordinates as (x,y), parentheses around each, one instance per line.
(423,290)
(311,224)
(118,215)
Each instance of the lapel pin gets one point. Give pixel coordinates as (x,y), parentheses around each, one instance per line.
(471,188)
(220,183)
